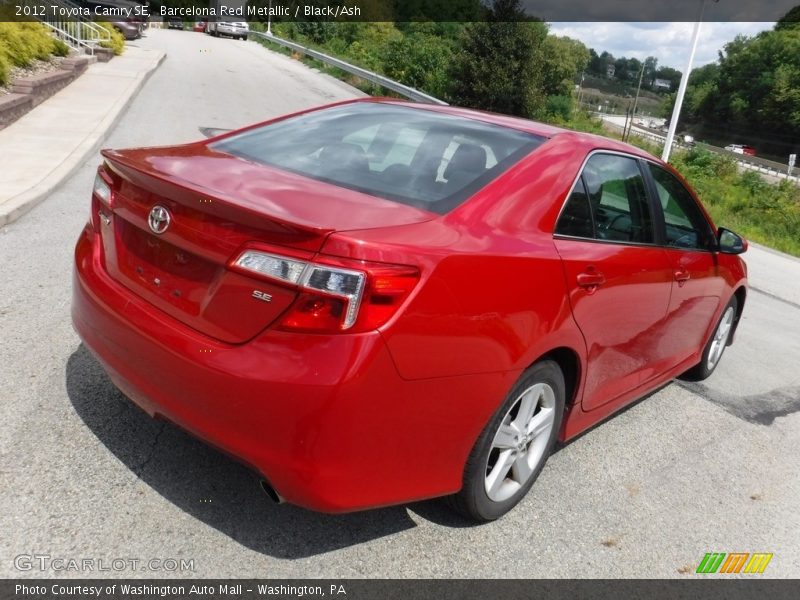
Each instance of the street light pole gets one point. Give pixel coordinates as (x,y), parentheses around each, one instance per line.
(676,111)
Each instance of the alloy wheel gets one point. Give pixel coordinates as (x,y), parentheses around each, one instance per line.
(520,442)
(720,339)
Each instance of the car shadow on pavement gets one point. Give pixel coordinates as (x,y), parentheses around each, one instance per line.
(207,484)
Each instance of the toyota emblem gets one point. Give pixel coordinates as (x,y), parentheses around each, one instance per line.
(159,219)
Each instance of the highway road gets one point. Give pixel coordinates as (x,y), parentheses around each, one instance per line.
(771,171)
(690,469)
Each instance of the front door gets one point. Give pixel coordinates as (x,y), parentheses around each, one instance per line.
(696,290)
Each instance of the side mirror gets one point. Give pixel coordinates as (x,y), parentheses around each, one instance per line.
(731,243)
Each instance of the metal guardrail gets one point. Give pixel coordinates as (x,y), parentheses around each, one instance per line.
(390,84)
(771,171)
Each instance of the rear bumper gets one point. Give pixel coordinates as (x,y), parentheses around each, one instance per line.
(327,420)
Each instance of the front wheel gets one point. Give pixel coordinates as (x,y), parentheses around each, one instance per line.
(513,448)
(712,353)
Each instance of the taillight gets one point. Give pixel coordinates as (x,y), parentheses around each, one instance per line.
(102,189)
(102,199)
(335,294)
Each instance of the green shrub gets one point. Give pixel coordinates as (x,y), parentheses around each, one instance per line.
(753,183)
(60,48)
(21,43)
(14,46)
(558,108)
(5,68)
(117,43)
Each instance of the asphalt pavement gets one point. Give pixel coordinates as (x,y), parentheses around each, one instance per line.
(691,469)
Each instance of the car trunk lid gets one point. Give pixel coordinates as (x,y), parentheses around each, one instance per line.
(218,205)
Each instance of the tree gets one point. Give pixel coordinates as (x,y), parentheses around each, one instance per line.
(650,68)
(606,60)
(754,90)
(701,91)
(495,66)
(596,65)
(563,60)
(671,75)
(635,67)
(419,60)
(791,20)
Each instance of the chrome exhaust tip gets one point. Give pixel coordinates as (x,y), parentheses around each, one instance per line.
(270,491)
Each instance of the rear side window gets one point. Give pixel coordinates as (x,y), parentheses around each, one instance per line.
(409,155)
(576,219)
(611,192)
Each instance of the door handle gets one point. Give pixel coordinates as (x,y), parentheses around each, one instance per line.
(591,280)
(682,276)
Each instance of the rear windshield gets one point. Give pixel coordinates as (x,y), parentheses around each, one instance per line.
(409,155)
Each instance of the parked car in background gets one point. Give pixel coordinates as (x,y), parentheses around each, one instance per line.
(174,23)
(741,149)
(234,29)
(378,302)
(130,30)
(131,27)
(200,26)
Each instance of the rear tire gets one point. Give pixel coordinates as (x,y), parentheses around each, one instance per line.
(514,446)
(715,347)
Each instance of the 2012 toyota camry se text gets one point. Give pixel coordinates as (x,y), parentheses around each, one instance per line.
(377,302)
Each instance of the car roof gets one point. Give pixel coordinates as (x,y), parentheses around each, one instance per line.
(590,141)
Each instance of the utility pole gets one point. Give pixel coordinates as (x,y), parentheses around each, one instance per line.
(676,112)
(628,121)
(636,100)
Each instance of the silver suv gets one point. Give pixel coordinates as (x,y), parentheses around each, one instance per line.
(235,29)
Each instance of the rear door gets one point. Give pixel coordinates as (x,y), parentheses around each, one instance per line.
(619,279)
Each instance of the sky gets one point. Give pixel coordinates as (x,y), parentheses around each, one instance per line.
(670,43)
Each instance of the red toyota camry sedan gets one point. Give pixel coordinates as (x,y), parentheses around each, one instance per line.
(377,302)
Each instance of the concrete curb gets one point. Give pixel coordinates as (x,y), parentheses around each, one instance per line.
(17,206)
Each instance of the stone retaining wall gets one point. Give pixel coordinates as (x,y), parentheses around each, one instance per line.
(28,92)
